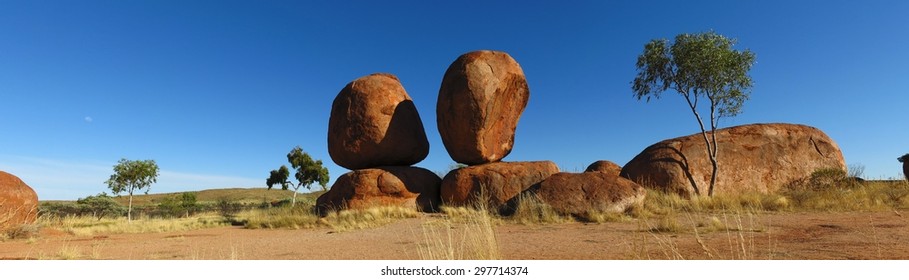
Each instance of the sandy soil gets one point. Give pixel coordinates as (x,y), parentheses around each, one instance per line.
(872,235)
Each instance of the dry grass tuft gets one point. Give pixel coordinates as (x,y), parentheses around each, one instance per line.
(463,234)
(533,211)
(346,220)
(279,217)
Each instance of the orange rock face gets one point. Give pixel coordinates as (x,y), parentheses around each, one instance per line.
(384,186)
(756,157)
(496,183)
(604,166)
(374,123)
(18,202)
(480,101)
(580,193)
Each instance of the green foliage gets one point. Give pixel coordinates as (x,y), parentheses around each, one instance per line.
(100,206)
(697,66)
(183,204)
(228,209)
(132,175)
(277,177)
(307,172)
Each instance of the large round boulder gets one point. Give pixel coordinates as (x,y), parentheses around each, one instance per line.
(480,101)
(752,158)
(582,193)
(18,202)
(384,186)
(604,166)
(374,123)
(493,185)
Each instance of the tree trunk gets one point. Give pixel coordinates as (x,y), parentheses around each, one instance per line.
(713,175)
(129,209)
(293,201)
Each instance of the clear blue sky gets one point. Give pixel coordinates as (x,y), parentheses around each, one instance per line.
(217,92)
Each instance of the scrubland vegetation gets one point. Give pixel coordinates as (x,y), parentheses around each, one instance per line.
(470,232)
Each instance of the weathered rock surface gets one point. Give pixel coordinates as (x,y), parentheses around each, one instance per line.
(480,101)
(374,123)
(18,202)
(384,186)
(495,183)
(756,157)
(580,193)
(604,166)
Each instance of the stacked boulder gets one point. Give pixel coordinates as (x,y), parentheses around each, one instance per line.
(375,131)
(482,96)
(18,202)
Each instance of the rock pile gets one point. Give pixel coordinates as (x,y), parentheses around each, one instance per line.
(482,96)
(375,130)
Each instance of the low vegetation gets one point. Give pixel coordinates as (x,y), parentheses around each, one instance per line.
(470,232)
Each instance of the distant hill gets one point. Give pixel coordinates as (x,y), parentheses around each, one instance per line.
(252,195)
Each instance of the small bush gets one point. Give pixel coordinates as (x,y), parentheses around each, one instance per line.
(228,209)
(531,210)
(20,231)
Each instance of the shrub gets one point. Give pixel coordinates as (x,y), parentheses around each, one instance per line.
(228,209)
(100,206)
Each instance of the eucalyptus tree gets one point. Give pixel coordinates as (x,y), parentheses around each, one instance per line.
(701,66)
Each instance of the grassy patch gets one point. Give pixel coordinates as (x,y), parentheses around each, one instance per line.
(531,210)
(87,226)
(462,234)
(304,217)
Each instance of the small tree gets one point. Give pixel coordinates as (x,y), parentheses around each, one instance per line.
(130,176)
(308,171)
(697,66)
(188,202)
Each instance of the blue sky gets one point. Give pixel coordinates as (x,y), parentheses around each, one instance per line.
(217,92)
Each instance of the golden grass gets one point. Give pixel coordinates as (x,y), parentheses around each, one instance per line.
(88,226)
(868,196)
(462,234)
(532,211)
(345,220)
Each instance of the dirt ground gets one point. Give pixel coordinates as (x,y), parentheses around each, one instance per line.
(865,235)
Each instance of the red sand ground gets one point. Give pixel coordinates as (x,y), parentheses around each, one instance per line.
(858,235)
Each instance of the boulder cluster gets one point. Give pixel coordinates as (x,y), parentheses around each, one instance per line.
(375,131)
